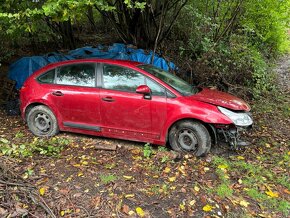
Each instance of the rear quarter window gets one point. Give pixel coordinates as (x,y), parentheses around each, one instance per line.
(47,77)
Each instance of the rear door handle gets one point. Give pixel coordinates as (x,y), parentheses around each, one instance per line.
(108,99)
(58,93)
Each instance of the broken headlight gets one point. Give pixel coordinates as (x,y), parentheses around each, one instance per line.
(239,118)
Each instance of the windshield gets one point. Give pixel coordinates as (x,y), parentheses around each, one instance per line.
(175,82)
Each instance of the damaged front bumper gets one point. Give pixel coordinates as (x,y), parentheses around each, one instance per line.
(232,135)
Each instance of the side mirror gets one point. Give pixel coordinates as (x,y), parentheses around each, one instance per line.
(145,90)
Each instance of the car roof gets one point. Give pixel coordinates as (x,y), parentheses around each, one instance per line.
(88,60)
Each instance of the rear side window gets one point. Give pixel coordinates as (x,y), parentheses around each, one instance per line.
(77,75)
(47,77)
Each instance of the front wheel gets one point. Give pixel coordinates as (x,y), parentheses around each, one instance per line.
(190,136)
(41,121)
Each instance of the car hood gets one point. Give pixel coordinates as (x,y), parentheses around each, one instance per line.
(222,99)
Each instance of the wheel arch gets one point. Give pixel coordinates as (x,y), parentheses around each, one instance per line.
(210,128)
(34,104)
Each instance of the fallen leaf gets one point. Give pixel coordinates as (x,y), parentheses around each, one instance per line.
(206,169)
(62,213)
(131,213)
(166,170)
(196,188)
(223,166)
(125,209)
(244,203)
(272,194)
(140,212)
(191,203)
(129,196)
(182,207)
(240,158)
(42,191)
(207,208)
(172,179)
(128,177)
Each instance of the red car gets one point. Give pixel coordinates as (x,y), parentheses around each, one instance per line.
(130,100)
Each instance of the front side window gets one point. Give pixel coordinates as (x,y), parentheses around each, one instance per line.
(121,78)
(156,89)
(77,75)
(175,82)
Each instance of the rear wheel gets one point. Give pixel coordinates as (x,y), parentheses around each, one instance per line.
(41,121)
(190,136)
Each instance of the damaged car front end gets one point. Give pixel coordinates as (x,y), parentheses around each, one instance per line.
(232,134)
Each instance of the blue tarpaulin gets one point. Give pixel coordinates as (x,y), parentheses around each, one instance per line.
(20,70)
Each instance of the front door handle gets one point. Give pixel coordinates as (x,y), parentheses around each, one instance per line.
(108,99)
(58,93)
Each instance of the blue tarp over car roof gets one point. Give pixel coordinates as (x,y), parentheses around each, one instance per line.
(20,70)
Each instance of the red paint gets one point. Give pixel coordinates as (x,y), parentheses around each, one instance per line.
(125,115)
(223,99)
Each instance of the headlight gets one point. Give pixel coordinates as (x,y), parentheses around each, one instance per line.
(239,119)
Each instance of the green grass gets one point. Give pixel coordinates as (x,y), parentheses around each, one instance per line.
(106,179)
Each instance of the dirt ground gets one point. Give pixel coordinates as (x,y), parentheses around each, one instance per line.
(67,176)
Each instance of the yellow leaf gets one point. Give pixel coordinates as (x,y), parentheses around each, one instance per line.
(272,194)
(129,196)
(62,213)
(244,203)
(166,170)
(182,207)
(240,181)
(85,163)
(240,158)
(196,188)
(207,208)
(223,166)
(140,212)
(172,179)
(128,177)
(42,191)
(80,174)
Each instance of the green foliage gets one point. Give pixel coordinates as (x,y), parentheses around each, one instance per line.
(47,147)
(223,190)
(106,179)
(229,43)
(147,150)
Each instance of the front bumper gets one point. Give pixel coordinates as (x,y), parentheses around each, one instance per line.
(232,135)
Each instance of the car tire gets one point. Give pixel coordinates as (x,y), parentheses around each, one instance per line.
(41,121)
(190,136)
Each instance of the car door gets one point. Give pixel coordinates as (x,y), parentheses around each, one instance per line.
(76,96)
(124,113)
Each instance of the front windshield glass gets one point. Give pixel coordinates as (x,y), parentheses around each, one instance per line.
(175,82)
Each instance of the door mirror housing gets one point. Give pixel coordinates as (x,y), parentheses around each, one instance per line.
(145,90)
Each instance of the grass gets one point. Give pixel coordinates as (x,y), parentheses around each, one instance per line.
(106,179)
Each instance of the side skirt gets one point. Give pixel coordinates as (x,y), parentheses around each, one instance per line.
(82,126)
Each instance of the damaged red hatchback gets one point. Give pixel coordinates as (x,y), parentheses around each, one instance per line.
(130,100)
